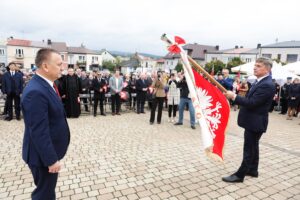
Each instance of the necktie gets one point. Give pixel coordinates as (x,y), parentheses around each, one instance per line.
(56,89)
(252,86)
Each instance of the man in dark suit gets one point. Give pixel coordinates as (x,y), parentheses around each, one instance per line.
(99,84)
(12,87)
(253,117)
(47,134)
(141,93)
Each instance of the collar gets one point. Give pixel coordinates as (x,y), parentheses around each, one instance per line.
(47,80)
(259,79)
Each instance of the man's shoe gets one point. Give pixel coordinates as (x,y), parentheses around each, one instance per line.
(118,114)
(7,119)
(193,127)
(103,114)
(18,118)
(158,122)
(178,123)
(151,123)
(95,115)
(232,179)
(252,174)
(143,112)
(138,113)
(113,114)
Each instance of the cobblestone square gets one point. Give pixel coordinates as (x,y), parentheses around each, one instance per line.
(125,158)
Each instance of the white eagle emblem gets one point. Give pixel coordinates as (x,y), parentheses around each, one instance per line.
(211,113)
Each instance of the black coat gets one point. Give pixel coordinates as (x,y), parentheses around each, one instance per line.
(97,85)
(293,95)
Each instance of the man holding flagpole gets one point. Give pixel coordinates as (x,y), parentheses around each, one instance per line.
(253,117)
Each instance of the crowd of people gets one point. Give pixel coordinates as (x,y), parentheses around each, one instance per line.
(80,89)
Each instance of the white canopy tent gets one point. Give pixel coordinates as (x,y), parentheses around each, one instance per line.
(244,68)
(293,67)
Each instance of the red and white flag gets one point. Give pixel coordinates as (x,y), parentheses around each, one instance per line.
(211,106)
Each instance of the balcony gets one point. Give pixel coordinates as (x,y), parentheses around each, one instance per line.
(19,56)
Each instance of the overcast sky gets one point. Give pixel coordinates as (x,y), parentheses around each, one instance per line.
(136,25)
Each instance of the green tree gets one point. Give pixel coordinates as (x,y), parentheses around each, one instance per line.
(214,65)
(108,65)
(179,67)
(236,61)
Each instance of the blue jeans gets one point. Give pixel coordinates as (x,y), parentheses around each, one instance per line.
(182,103)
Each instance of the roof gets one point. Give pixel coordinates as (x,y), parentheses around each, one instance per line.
(80,50)
(286,44)
(59,46)
(38,44)
(196,51)
(18,42)
(235,51)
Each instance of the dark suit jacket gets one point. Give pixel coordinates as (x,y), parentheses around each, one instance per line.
(140,86)
(254,111)
(97,85)
(47,134)
(8,80)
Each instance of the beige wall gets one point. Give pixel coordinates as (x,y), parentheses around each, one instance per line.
(29,54)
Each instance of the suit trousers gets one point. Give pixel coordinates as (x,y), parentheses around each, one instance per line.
(101,100)
(140,102)
(16,98)
(250,154)
(158,101)
(115,103)
(45,183)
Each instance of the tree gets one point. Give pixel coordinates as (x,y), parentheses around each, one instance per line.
(236,61)
(179,67)
(109,65)
(215,66)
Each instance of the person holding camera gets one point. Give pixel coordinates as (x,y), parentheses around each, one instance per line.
(159,93)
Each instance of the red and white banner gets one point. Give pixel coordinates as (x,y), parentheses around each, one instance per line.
(211,106)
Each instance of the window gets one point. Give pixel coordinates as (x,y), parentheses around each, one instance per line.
(291,58)
(63,57)
(214,58)
(94,58)
(19,52)
(81,58)
(230,59)
(248,60)
(2,52)
(267,55)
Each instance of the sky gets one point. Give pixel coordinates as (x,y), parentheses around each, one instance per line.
(136,25)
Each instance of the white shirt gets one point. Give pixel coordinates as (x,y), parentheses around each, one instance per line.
(12,73)
(259,79)
(48,81)
(117,83)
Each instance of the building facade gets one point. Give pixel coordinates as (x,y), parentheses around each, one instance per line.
(287,52)
(3,54)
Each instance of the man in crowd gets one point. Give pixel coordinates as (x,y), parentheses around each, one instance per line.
(85,85)
(71,91)
(228,81)
(253,117)
(116,86)
(99,84)
(12,87)
(284,96)
(185,99)
(141,89)
(47,135)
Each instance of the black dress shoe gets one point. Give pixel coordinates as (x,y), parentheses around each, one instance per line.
(18,118)
(232,179)
(193,127)
(103,114)
(178,123)
(95,115)
(7,119)
(143,112)
(158,122)
(252,174)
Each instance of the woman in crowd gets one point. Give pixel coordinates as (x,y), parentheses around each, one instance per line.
(236,88)
(159,93)
(173,98)
(293,98)
(243,88)
(132,92)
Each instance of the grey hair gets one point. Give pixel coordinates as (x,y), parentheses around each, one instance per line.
(265,61)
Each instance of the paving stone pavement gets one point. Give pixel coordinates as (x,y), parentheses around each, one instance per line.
(125,158)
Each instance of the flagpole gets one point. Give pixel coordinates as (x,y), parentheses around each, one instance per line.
(210,78)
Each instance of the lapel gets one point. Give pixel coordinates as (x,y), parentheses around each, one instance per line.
(252,90)
(48,88)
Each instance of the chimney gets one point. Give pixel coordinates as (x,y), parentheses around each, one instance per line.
(258,46)
(217,47)
(236,47)
(205,51)
(49,42)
